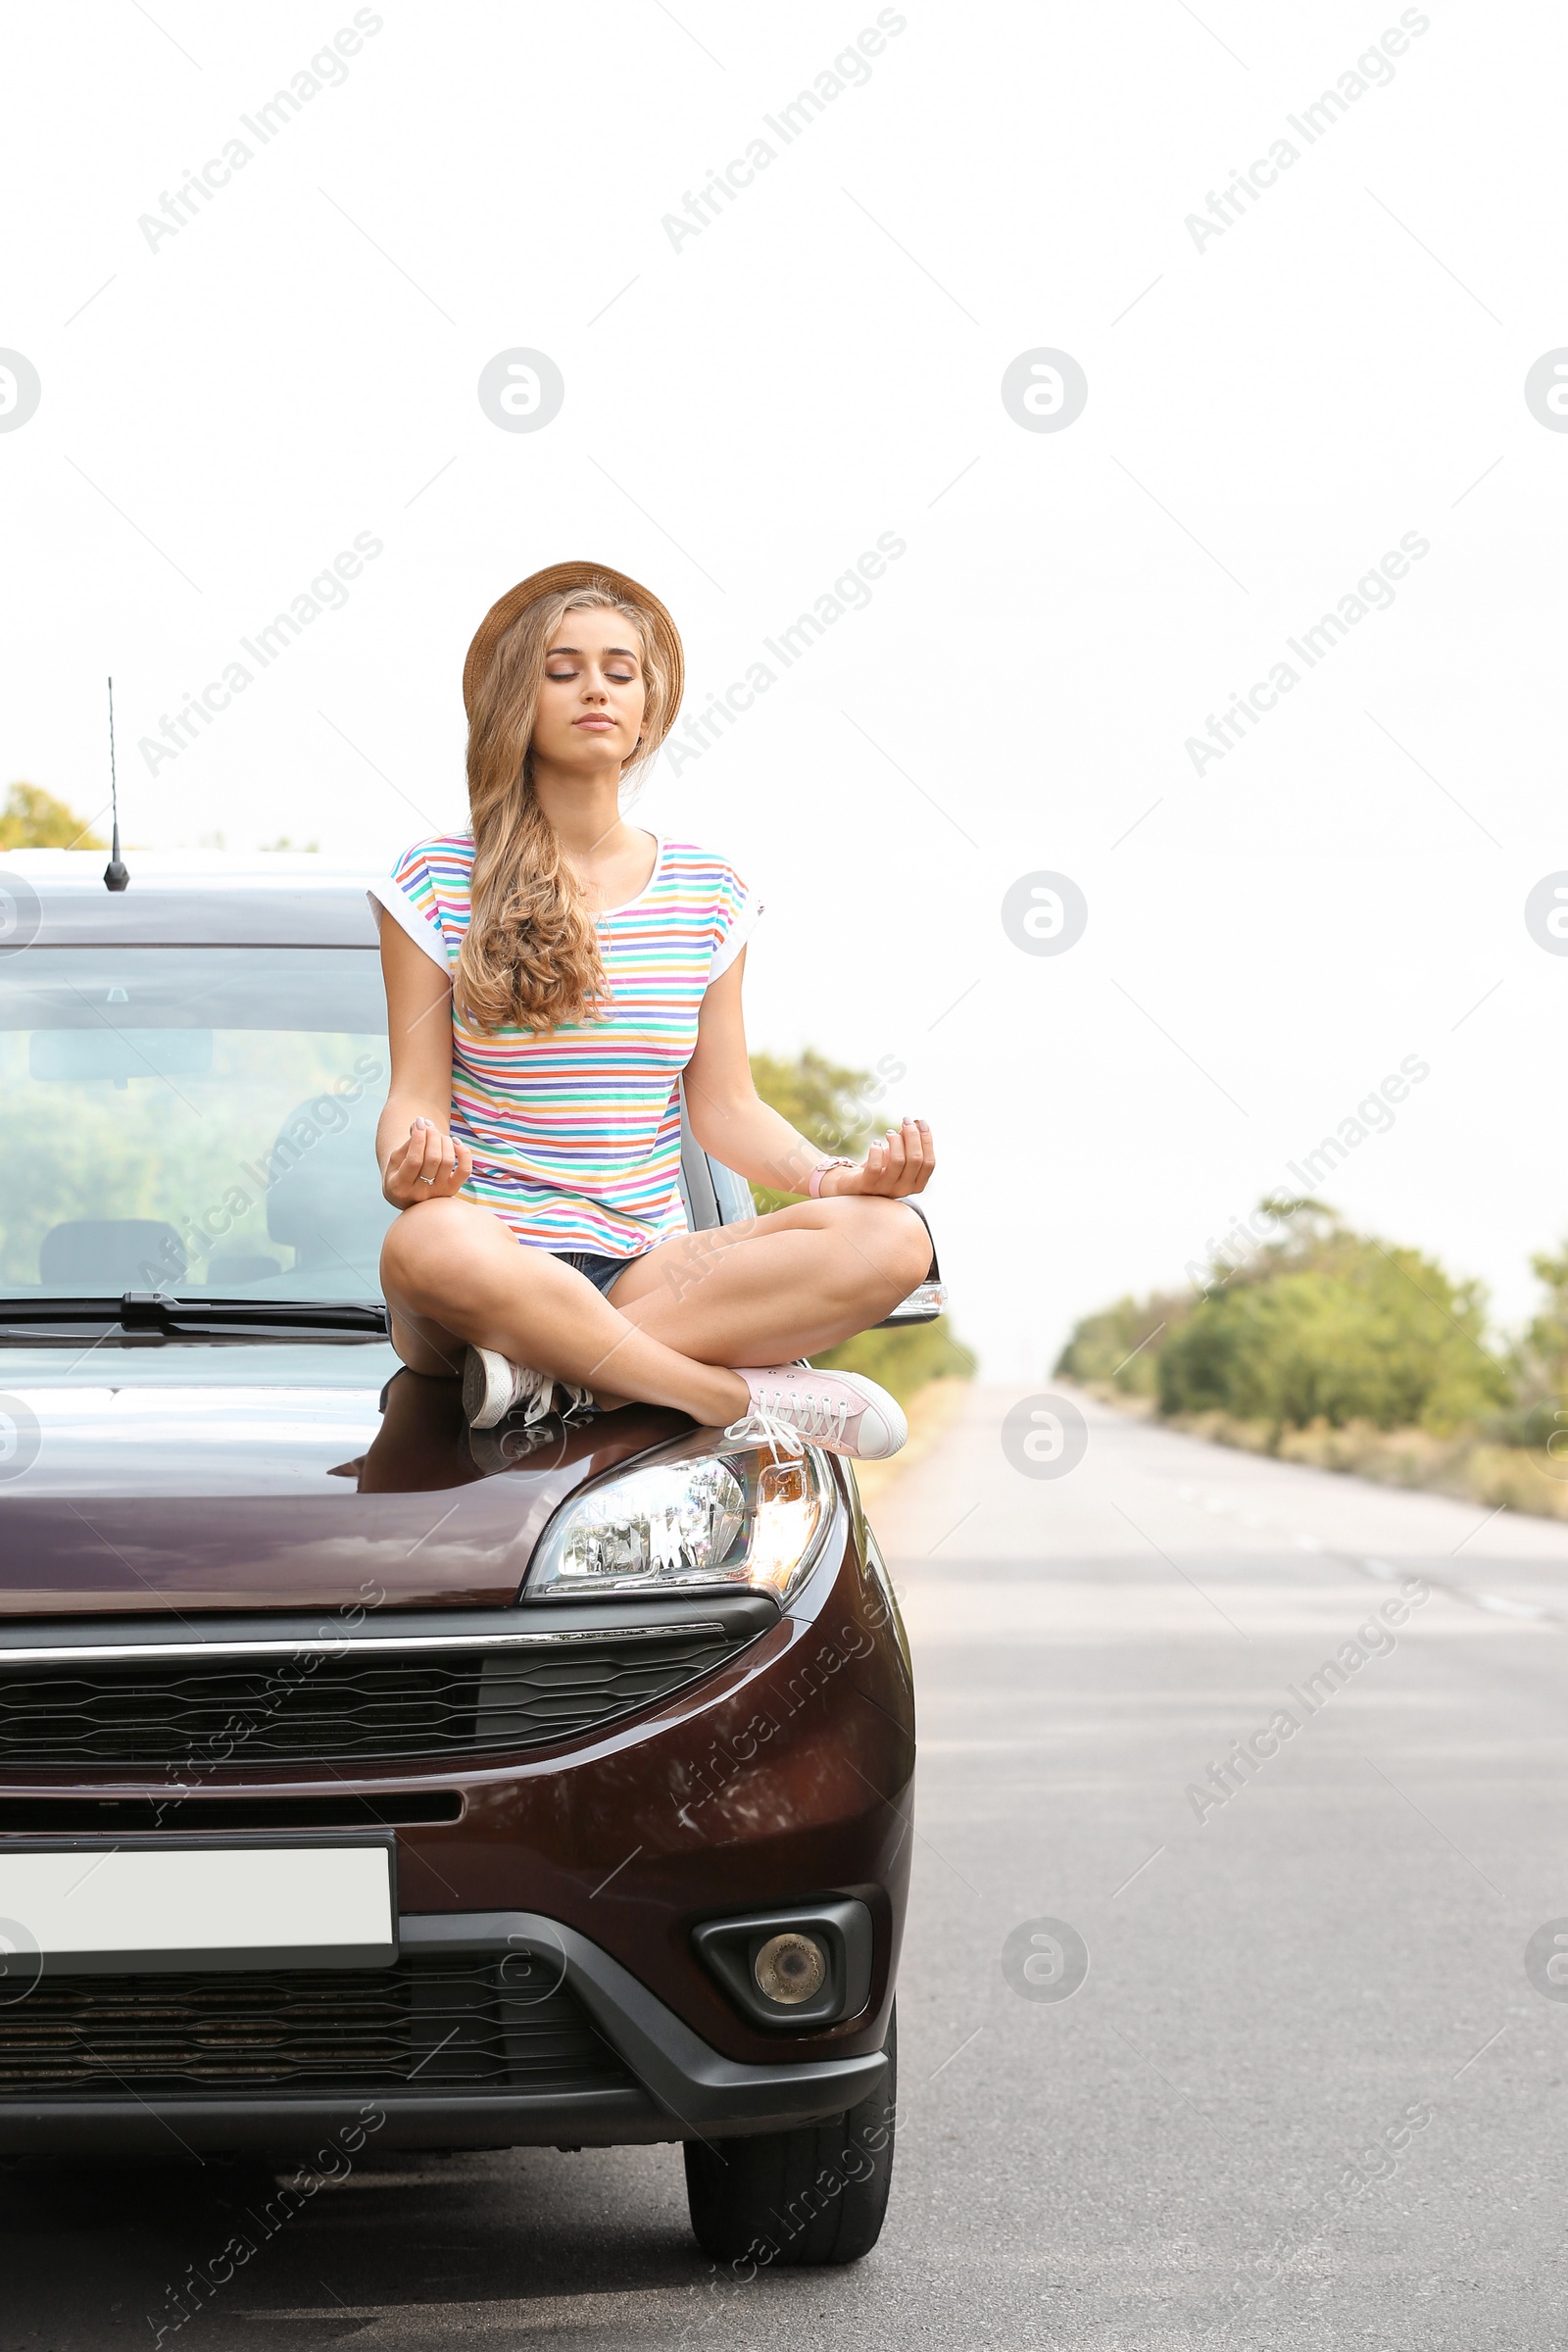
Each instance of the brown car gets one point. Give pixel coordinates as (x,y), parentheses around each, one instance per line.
(364,1777)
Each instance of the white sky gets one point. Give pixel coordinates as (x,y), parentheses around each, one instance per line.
(746,415)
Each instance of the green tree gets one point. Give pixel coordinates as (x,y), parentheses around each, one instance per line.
(837,1109)
(1541,1364)
(1326,1324)
(1319,1323)
(1122,1344)
(1546,1343)
(33,819)
(833,1106)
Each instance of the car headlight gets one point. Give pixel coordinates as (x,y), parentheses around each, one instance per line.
(690,1518)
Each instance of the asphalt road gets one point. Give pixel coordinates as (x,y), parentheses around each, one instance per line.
(1306,2093)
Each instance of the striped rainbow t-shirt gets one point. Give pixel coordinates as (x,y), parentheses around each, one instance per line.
(575,1131)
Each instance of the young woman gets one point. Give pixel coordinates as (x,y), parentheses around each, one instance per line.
(554,977)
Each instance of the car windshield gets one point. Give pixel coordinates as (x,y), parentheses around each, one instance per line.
(199,1121)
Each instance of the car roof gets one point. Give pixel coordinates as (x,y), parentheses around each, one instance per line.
(191,898)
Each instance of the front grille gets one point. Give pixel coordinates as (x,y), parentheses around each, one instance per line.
(336,1708)
(425,2025)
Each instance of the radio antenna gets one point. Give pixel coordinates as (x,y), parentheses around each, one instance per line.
(115,875)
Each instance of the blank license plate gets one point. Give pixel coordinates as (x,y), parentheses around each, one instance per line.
(236,1906)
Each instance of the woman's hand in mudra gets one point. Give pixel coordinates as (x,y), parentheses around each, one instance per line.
(430,1167)
(898,1163)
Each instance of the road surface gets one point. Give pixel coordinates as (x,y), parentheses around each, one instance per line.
(1306,2093)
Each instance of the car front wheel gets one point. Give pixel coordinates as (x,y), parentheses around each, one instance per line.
(814,2195)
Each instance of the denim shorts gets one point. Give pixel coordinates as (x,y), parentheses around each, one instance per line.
(600,1271)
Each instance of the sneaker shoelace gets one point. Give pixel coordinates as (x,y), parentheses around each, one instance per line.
(785,1418)
(532,1390)
(537,1391)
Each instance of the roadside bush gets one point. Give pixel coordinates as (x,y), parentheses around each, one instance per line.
(903,1361)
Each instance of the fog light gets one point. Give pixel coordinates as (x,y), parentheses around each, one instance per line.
(790,1969)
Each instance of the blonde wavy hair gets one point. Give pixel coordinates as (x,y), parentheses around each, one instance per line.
(530,956)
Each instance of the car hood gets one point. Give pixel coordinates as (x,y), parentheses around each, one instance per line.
(150,1495)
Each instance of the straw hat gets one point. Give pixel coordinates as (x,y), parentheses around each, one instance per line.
(550,582)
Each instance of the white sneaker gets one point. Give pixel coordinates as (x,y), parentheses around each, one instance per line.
(493,1387)
(843,1412)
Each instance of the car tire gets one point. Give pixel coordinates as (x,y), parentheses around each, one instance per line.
(809,2196)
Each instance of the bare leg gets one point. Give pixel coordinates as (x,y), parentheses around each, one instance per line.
(455,1277)
(787,1284)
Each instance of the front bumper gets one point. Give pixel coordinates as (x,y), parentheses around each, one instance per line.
(779,1777)
(681,2088)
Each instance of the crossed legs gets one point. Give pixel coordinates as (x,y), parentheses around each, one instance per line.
(783,1286)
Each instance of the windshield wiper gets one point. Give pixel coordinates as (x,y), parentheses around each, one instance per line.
(156,1311)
